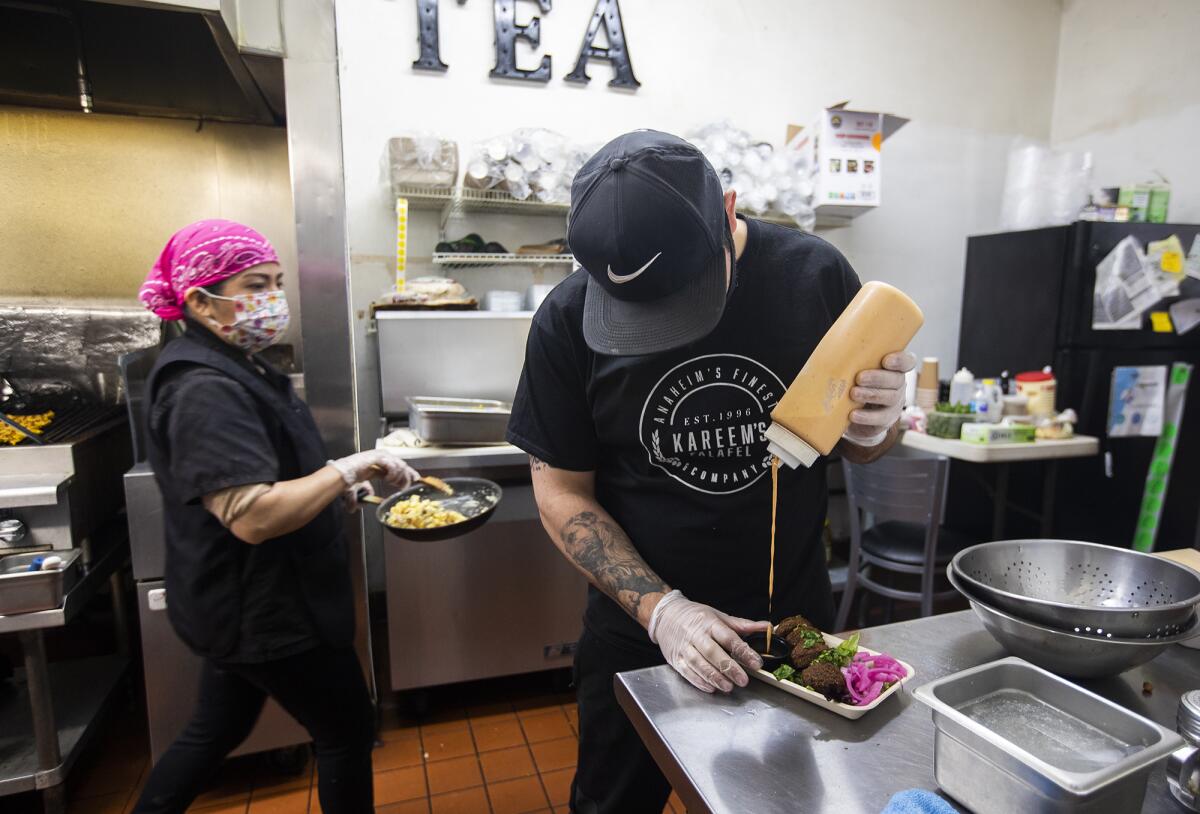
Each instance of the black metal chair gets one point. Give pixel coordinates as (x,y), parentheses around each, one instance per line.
(903,493)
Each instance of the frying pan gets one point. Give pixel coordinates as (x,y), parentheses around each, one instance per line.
(476,498)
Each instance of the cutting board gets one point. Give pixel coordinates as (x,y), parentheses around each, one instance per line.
(1191,558)
(1184,556)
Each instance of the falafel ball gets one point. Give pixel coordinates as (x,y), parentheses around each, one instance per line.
(803,656)
(801,628)
(785,628)
(826,679)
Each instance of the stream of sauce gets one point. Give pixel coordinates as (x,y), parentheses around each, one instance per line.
(771,571)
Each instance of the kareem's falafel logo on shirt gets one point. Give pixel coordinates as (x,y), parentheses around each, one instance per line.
(703,422)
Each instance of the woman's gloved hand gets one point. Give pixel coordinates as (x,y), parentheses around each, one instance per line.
(375,463)
(704,645)
(353,497)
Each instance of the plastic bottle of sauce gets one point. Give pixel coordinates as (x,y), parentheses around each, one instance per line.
(815,410)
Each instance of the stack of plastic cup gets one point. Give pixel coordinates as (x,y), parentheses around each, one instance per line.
(766,179)
(527,163)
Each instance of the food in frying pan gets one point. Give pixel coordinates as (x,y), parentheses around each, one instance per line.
(416,512)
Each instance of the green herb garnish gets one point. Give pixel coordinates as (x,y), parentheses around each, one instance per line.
(811,638)
(841,655)
(784,672)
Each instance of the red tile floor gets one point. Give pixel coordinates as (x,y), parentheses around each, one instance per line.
(513,756)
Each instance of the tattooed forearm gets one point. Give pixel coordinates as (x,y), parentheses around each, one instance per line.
(537,464)
(602,550)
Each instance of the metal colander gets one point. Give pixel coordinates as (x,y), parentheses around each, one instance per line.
(1083,588)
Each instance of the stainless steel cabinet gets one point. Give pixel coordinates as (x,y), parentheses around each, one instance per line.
(173,678)
(498,601)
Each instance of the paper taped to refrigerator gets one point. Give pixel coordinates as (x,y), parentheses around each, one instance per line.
(1185,314)
(1191,265)
(1125,288)
(1136,403)
(1165,259)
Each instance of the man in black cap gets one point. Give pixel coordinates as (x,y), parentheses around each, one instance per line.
(649,380)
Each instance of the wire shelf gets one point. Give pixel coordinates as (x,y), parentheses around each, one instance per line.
(455,201)
(463,259)
(421,196)
(496,200)
(460,200)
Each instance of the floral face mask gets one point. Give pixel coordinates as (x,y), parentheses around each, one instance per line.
(259,320)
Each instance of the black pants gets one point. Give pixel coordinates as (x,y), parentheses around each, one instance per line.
(615,775)
(323,689)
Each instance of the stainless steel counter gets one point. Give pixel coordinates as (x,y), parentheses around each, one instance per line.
(452,459)
(764,751)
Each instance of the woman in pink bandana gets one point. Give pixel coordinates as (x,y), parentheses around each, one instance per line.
(256,570)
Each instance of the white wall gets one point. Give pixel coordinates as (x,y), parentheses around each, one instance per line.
(970,75)
(1128,90)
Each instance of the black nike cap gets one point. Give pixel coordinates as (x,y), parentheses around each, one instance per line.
(648,225)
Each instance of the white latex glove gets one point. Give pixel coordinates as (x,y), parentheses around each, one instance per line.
(881,394)
(704,645)
(352,498)
(375,463)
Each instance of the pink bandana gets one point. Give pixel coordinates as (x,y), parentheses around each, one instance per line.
(204,253)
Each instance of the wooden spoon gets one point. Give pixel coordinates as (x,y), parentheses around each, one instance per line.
(428,480)
(437,483)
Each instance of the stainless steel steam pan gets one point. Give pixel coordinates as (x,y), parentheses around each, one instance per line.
(1014,737)
(458,421)
(25,591)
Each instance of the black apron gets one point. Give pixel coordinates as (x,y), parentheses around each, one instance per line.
(206,565)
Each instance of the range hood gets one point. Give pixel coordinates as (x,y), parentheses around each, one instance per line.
(175,58)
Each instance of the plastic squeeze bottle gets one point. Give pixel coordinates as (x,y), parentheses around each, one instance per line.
(815,410)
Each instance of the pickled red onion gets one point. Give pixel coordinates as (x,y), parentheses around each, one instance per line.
(867,675)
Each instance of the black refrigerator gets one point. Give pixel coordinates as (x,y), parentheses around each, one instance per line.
(1027,302)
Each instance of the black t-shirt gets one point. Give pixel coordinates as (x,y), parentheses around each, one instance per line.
(217,438)
(676,440)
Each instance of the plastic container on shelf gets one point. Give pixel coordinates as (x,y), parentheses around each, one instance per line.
(988,402)
(1039,387)
(962,387)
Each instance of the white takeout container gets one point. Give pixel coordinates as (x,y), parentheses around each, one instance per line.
(845,710)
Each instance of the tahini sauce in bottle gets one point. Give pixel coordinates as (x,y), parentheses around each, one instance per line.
(815,410)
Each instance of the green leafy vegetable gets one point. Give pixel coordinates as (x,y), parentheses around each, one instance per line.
(785,672)
(958,409)
(841,655)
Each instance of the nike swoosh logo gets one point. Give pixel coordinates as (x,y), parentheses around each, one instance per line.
(621,279)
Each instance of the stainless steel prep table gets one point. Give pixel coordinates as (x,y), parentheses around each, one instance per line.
(764,751)
(48,720)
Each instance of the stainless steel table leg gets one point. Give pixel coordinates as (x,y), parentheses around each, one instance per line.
(1000,509)
(1048,498)
(45,730)
(54,799)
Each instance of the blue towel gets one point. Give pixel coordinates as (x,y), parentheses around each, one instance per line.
(918,801)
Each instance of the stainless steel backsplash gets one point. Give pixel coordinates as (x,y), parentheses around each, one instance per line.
(75,343)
